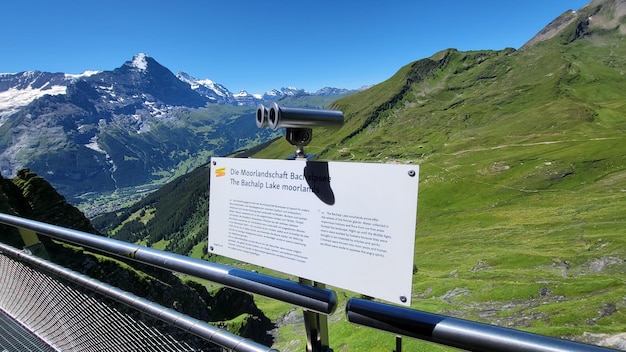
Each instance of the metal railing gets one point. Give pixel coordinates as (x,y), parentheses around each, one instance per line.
(45,297)
(310,298)
(407,322)
(459,333)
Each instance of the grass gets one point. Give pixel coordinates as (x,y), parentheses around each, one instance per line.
(522,186)
(160,245)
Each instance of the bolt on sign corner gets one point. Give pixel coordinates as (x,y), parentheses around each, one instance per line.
(349,225)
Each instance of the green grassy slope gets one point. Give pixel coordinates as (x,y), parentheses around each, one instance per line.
(522,180)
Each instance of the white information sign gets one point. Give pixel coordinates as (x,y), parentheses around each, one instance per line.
(349,225)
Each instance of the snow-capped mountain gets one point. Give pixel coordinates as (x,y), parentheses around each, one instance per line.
(276,94)
(328,91)
(216,92)
(20,89)
(103,130)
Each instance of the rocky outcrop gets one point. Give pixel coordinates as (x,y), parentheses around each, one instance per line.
(599,15)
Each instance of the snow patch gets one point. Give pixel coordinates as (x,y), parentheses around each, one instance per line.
(139,62)
(242,93)
(195,84)
(87,73)
(211,85)
(12,99)
(93,145)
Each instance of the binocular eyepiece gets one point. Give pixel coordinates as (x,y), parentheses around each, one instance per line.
(278,117)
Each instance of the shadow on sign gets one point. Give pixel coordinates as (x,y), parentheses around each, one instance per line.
(316,175)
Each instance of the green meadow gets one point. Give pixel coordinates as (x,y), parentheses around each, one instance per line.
(522,190)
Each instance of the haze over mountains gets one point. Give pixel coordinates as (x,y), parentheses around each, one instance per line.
(104,130)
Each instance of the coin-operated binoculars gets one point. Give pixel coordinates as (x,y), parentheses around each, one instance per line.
(298,122)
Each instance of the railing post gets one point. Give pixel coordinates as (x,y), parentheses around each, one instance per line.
(315,325)
(398,343)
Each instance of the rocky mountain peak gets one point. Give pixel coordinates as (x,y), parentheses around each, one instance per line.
(575,24)
(159,84)
(215,92)
(140,62)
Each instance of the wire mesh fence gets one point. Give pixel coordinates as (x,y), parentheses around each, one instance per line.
(70,318)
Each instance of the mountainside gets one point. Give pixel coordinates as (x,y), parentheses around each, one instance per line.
(173,218)
(522,179)
(104,131)
(31,196)
(20,89)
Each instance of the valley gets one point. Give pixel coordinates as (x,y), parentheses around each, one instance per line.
(94,204)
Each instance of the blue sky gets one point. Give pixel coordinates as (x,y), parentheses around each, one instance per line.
(261,45)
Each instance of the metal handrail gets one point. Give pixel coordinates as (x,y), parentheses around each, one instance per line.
(170,316)
(311,298)
(459,333)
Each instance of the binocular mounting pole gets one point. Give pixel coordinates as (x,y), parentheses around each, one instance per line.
(299,137)
(299,133)
(315,324)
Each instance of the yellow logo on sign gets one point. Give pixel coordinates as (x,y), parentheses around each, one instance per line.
(219,172)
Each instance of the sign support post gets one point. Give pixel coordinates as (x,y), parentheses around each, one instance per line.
(315,324)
